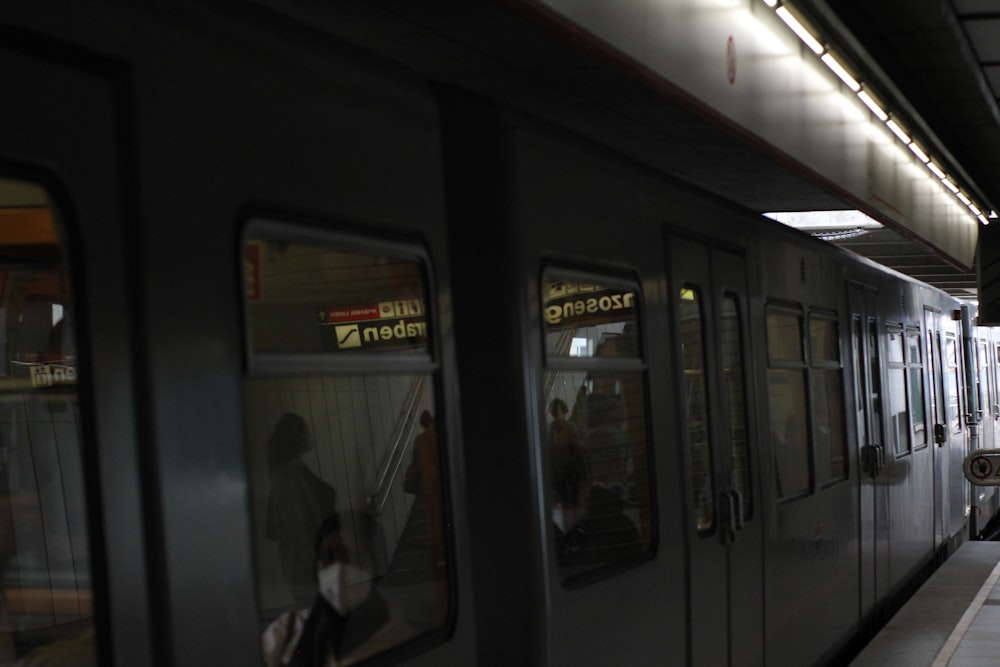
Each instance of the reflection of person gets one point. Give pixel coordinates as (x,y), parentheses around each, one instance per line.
(299,500)
(345,612)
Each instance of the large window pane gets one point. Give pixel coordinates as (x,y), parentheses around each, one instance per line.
(696,403)
(45,573)
(595,400)
(896,399)
(345,459)
(787,399)
(915,374)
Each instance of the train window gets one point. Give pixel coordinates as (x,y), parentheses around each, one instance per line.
(895,395)
(984,380)
(915,383)
(696,401)
(787,395)
(598,445)
(345,460)
(827,393)
(952,390)
(733,368)
(46,606)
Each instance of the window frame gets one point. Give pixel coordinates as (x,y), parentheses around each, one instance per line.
(608,277)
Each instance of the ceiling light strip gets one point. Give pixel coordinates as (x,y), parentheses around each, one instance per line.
(859,88)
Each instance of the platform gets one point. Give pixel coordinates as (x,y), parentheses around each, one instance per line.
(953,620)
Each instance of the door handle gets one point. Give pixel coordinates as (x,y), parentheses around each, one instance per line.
(737,501)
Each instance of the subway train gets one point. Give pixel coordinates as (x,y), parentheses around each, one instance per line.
(309,358)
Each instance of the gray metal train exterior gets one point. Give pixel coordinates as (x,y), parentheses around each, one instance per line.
(561,409)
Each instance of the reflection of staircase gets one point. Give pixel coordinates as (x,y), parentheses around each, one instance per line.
(411,561)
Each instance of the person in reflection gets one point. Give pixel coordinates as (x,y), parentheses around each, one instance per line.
(569,482)
(345,613)
(298,502)
(561,427)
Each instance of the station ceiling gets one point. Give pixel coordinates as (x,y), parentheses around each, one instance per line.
(943,57)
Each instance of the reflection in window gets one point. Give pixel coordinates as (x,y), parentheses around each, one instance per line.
(732,365)
(826,380)
(345,461)
(915,378)
(952,391)
(596,411)
(787,397)
(696,403)
(46,608)
(896,400)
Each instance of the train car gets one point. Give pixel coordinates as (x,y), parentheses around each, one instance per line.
(309,356)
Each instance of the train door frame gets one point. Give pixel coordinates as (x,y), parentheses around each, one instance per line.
(873,505)
(65,130)
(725,596)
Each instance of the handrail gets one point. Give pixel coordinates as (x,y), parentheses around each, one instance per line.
(389,466)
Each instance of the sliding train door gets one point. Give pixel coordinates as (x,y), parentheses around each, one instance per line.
(872,458)
(725,602)
(72,565)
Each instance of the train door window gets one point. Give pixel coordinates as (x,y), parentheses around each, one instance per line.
(786,380)
(736,397)
(696,403)
(827,392)
(984,380)
(915,391)
(46,606)
(896,403)
(597,439)
(952,390)
(345,460)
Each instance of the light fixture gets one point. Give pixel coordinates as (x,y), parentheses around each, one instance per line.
(841,73)
(799,29)
(898,131)
(873,105)
(858,87)
(922,156)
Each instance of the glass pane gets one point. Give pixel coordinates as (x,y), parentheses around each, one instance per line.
(589,320)
(824,345)
(899,421)
(347,504)
(311,298)
(875,373)
(732,366)
(600,472)
(784,336)
(828,425)
(951,386)
(696,400)
(895,346)
(787,394)
(915,373)
(45,571)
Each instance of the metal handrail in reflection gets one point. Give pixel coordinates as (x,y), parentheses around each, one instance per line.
(389,466)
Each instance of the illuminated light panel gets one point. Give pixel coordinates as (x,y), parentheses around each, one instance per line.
(993,214)
(936,170)
(841,73)
(975,211)
(951,186)
(800,30)
(962,198)
(771,3)
(898,131)
(922,156)
(983,220)
(873,105)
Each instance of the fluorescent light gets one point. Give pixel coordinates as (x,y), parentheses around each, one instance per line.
(922,156)
(983,220)
(873,105)
(839,70)
(898,131)
(962,198)
(771,3)
(951,186)
(799,30)
(972,207)
(936,170)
